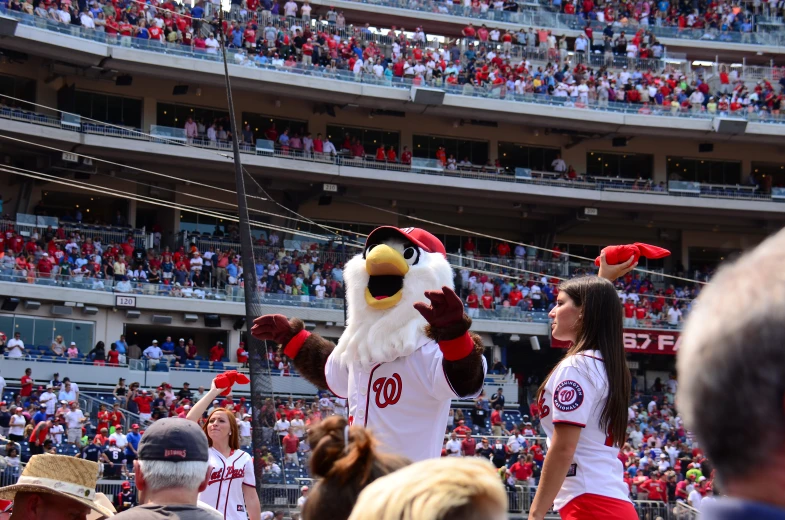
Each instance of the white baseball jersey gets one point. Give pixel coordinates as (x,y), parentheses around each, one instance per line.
(227,478)
(404,402)
(575,394)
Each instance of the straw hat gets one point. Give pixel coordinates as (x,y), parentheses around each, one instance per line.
(67,477)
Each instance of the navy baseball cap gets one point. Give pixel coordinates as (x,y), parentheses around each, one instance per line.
(174,440)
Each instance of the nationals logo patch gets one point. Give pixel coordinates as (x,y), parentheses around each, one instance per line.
(568,396)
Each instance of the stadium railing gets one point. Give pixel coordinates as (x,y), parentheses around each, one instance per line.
(240,58)
(682,511)
(27,224)
(517,175)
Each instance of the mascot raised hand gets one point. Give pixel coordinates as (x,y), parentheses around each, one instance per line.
(399,361)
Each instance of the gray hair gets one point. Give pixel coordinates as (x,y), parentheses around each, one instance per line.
(732,360)
(162,474)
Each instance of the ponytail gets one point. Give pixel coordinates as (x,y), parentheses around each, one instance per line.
(346,460)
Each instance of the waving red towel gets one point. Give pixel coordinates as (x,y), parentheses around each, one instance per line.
(228,379)
(615,255)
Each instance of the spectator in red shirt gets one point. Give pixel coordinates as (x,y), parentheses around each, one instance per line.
(113,355)
(104,416)
(468,446)
(217,352)
(503,249)
(656,487)
(242,354)
(143,401)
(27,383)
(523,471)
(462,429)
(487,300)
(38,437)
(290,445)
(473,302)
(406,156)
(496,421)
(629,313)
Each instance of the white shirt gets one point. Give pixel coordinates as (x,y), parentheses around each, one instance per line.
(575,394)
(301,502)
(50,400)
(120,439)
(245,428)
(673,316)
(225,487)
(298,426)
(153,352)
(2,386)
(695,498)
(515,442)
(636,437)
(673,385)
(453,448)
(282,426)
(408,398)
(17,425)
(15,352)
(73,419)
(56,433)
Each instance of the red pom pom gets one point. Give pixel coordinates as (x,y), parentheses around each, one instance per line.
(228,379)
(615,255)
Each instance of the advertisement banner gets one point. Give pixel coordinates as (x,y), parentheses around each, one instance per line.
(643,341)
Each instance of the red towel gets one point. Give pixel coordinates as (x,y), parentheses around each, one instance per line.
(228,379)
(615,255)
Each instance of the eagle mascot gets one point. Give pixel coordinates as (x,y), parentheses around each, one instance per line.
(399,361)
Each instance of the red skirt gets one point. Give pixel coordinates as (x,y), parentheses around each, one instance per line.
(597,507)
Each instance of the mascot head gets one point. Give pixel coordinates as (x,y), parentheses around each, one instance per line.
(383,283)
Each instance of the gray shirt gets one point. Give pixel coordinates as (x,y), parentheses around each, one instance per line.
(172,512)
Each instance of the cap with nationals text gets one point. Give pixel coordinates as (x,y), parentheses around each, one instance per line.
(174,440)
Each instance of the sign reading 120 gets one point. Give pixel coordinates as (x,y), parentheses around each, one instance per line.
(125,301)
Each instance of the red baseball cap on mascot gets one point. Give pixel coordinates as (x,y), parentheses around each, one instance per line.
(419,237)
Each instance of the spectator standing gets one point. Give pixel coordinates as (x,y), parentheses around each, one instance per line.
(58,347)
(468,446)
(153,353)
(74,420)
(132,448)
(172,470)
(26,382)
(453,446)
(16,431)
(746,305)
(15,348)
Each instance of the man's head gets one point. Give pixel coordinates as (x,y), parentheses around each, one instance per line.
(736,328)
(173,456)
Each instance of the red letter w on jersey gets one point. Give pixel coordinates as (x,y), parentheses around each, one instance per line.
(388,390)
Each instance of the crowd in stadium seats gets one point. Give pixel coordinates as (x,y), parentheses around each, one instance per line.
(661,460)
(484,282)
(495,64)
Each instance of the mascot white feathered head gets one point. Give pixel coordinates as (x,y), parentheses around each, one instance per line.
(383,283)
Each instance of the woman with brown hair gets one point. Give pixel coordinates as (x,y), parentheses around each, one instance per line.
(583,403)
(345,459)
(232,485)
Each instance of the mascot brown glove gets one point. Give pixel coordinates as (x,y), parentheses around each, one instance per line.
(448,322)
(277,328)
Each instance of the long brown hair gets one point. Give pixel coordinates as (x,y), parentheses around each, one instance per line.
(344,468)
(234,431)
(601,328)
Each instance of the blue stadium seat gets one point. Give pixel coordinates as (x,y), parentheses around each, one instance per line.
(204,364)
(190,364)
(198,358)
(161,367)
(217,365)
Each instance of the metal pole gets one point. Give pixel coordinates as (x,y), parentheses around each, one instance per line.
(343,277)
(256,350)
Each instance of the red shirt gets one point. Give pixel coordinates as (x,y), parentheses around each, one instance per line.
(536,452)
(515,297)
(656,488)
(469,32)
(143,402)
(290,443)
(640,313)
(473,301)
(242,355)
(406,157)
(487,301)
(503,249)
(114,357)
(469,447)
(462,430)
(27,385)
(629,310)
(522,471)
(496,418)
(103,421)
(155,32)
(39,435)
(216,353)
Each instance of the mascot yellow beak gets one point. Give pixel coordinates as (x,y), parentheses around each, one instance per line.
(387,268)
